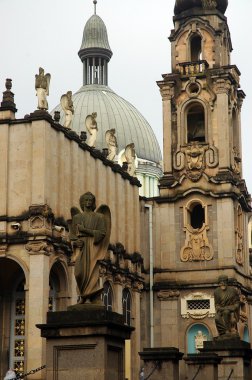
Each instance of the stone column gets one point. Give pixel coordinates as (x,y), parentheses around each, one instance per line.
(222,89)
(161,363)
(205,365)
(36,305)
(167,92)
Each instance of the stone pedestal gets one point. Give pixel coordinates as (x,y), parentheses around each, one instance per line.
(235,358)
(85,344)
(205,365)
(161,363)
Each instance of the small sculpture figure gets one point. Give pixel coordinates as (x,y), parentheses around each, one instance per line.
(89,235)
(111,143)
(130,155)
(91,126)
(199,339)
(227,305)
(42,82)
(67,106)
(10,375)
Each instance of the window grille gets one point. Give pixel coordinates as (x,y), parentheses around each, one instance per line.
(198,304)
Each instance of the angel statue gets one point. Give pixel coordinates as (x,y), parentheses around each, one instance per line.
(91,126)
(111,143)
(130,155)
(89,233)
(42,82)
(67,106)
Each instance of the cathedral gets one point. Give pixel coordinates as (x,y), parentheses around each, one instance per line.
(178,222)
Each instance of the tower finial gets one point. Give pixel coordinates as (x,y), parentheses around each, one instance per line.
(95,2)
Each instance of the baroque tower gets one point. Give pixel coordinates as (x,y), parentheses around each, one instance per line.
(201,216)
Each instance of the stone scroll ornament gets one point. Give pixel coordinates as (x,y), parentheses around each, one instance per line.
(89,233)
(111,141)
(91,126)
(67,106)
(42,83)
(195,158)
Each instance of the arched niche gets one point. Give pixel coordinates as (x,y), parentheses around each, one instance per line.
(58,287)
(195,123)
(195,337)
(12,316)
(195,47)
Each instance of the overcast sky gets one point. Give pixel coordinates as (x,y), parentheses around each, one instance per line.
(48,33)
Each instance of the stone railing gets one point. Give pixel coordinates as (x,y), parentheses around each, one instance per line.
(193,68)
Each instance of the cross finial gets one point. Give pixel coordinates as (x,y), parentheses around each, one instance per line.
(95,2)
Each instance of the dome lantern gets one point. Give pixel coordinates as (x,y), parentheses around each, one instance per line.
(95,52)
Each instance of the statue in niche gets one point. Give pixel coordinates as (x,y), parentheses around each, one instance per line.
(42,82)
(227,305)
(111,143)
(89,234)
(199,339)
(130,155)
(67,106)
(92,129)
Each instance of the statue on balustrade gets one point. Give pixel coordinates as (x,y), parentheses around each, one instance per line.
(89,233)
(91,125)
(42,82)
(67,106)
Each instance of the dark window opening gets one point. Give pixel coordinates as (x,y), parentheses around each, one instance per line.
(197,216)
(196,49)
(196,124)
(126,304)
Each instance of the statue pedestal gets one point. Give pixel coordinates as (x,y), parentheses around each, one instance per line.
(86,343)
(163,363)
(205,364)
(235,358)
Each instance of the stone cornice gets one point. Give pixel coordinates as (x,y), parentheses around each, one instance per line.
(40,115)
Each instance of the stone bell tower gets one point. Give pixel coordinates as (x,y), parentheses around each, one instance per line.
(203,205)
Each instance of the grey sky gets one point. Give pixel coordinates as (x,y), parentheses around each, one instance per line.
(48,33)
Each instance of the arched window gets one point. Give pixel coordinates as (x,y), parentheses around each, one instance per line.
(197,216)
(17,338)
(196,336)
(196,123)
(196,48)
(107,296)
(126,304)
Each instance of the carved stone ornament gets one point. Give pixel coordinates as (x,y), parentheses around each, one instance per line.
(197,246)
(239,237)
(37,247)
(167,91)
(209,4)
(236,160)
(222,86)
(195,158)
(197,306)
(138,286)
(167,295)
(37,222)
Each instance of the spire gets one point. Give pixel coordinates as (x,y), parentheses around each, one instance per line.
(95,2)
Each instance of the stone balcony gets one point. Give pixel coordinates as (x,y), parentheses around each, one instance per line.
(193,68)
